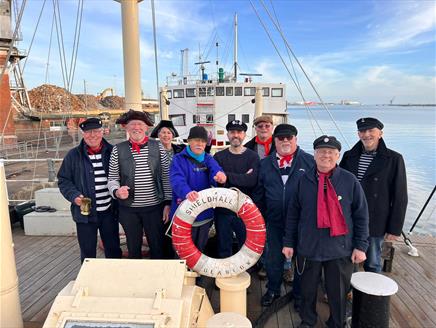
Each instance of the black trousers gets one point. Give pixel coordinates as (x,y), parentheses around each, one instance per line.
(337,275)
(109,233)
(139,220)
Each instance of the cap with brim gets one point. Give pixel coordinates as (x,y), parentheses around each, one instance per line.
(284,130)
(263,118)
(135,115)
(366,123)
(198,132)
(164,124)
(91,124)
(326,141)
(236,125)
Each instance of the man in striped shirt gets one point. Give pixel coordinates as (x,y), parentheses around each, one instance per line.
(139,179)
(382,174)
(83,173)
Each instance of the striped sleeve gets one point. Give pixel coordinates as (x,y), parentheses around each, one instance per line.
(114,172)
(165,173)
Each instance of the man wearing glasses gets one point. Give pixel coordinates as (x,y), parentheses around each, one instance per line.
(278,178)
(83,173)
(262,143)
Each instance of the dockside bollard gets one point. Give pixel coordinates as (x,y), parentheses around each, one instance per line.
(371,299)
(233,293)
(228,320)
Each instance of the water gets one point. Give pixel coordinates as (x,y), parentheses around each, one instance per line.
(410,131)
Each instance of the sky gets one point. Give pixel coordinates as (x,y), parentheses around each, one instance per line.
(367,51)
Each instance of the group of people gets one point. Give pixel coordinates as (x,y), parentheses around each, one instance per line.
(323,215)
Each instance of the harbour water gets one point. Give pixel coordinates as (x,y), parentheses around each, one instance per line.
(410,131)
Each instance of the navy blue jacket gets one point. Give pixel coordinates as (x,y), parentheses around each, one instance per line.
(301,221)
(271,195)
(76,177)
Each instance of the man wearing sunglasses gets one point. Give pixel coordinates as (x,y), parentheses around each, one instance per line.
(262,143)
(278,178)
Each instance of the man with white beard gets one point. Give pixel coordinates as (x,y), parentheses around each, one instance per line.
(240,165)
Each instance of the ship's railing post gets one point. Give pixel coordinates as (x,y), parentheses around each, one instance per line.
(51,170)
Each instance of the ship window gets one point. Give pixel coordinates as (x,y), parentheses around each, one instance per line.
(209,118)
(229,91)
(202,92)
(178,119)
(238,91)
(245,118)
(276,92)
(251,91)
(265,92)
(210,91)
(190,92)
(231,117)
(220,91)
(169,94)
(179,93)
(195,119)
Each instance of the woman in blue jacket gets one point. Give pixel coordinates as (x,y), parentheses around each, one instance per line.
(193,170)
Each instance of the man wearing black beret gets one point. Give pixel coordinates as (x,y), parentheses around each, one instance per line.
(84,173)
(327,223)
(240,165)
(382,174)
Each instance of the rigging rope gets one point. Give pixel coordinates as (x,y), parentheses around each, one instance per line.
(155,52)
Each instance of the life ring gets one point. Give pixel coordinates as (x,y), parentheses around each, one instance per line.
(231,199)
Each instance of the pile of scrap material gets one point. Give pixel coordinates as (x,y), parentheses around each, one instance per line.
(50,98)
(90,101)
(113,102)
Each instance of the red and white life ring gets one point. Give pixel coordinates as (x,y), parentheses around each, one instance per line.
(233,200)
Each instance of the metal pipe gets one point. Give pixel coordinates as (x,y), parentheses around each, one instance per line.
(164,104)
(10,312)
(422,210)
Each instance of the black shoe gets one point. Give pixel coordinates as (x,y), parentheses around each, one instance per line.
(304,325)
(269,298)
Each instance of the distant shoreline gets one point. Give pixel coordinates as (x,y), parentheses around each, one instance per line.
(354,105)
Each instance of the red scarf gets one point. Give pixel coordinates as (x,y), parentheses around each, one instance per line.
(285,159)
(136,146)
(329,211)
(266,144)
(94,151)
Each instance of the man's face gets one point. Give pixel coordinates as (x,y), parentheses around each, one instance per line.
(286,145)
(197,145)
(136,130)
(236,137)
(264,130)
(326,159)
(370,138)
(93,137)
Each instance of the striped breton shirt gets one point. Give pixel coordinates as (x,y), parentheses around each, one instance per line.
(102,197)
(364,162)
(145,193)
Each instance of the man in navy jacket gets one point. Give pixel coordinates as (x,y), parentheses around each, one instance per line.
(83,173)
(327,223)
(277,182)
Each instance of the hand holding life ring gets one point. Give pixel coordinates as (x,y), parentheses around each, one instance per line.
(235,201)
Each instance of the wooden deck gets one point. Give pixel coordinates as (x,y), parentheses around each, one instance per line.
(46,264)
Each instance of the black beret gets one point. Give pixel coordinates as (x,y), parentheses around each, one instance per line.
(90,123)
(327,142)
(236,125)
(285,130)
(164,124)
(198,132)
(367,123)
(135,115)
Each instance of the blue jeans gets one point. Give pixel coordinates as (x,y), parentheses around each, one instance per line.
(373,261)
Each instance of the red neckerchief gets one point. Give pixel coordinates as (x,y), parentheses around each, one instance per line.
(266,144)
(136,146)
(329,211)
(94,151)
(285,159)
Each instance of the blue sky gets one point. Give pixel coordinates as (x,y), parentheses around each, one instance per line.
(368,51)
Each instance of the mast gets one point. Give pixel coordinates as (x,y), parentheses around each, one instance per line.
(235,49)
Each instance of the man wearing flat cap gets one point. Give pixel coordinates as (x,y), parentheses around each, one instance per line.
(240,164)
(327,223)
(382,174)
(279,174)
(84,173)
(262,143)
(139,180)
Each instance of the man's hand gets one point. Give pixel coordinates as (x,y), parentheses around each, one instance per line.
(220,177)
(166,213)
(288,252)
(389,237)
(192,196)
(122,192)
(358,256)
(78,200)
